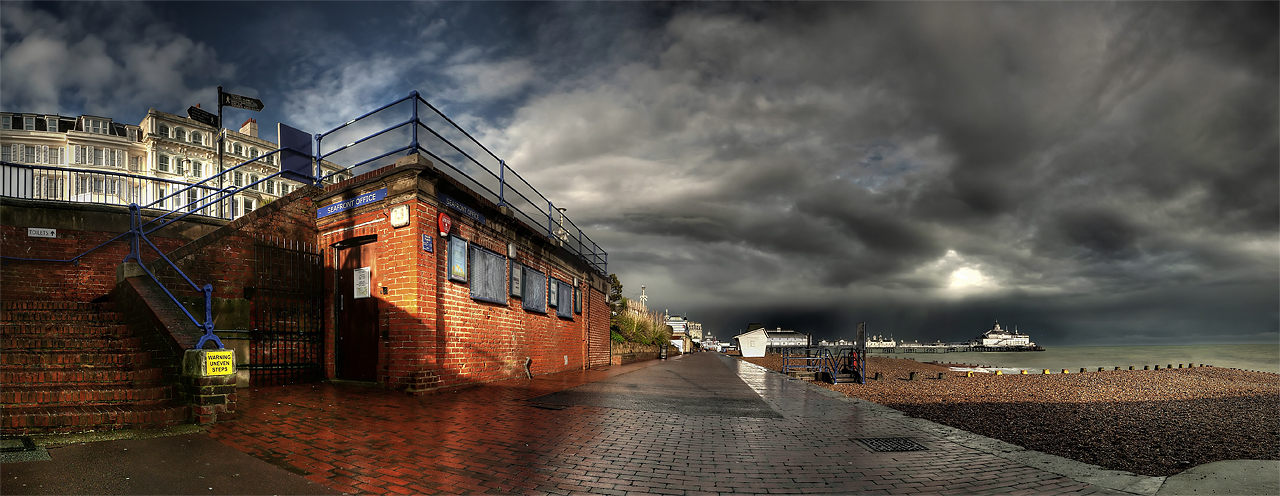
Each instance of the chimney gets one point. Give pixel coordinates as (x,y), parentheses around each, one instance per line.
(250,127)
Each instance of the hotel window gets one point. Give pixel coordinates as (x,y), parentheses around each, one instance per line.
(163,130)
(29,154)
(133,164)
(237,179)
(197,169)
(179,134)
(179,165)
(6,122)
(237,149)
(51,124)
(488,276)
(163,164)
(253,182)
(193,198)
(197,138)
(133,134)
(271,187)
(98,126)
(248,205)
(29,123)
(253,153)
(97,156)
(6,154)
(161,193)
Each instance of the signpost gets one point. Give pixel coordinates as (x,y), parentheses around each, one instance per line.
(237,101)
(204,117)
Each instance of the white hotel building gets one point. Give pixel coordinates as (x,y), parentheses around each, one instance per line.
(171,149)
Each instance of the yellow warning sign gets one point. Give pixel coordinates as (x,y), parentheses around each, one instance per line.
(219,362)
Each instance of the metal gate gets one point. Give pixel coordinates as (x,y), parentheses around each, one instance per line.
(287,307)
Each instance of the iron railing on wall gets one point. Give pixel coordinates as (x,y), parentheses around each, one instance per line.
(411,125)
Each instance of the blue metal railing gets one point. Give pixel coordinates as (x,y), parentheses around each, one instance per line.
(412,125)
(825,364)
(32,181)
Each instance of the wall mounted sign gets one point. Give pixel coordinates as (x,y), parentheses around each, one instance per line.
(448,201)
(219,362)
(457,259)
(445,224)
(517,280)
(399,216)
(363,277)
(553,292)
(364,199)
(40,232)
(426,243)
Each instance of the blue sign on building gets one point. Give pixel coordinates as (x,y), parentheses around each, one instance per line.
(448,201)
(365,199)
(426,243)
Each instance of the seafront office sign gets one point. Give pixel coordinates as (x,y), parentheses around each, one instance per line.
(448,201)
(364,199)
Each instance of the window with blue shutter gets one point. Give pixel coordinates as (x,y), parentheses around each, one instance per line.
(488,276)
(565,296)
(535,291)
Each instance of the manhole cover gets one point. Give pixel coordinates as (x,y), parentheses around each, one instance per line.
(16,444)
(891,444)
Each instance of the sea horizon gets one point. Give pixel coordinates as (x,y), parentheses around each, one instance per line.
(1260,357)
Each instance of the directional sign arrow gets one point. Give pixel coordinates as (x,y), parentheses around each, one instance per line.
(202,116)
(238,101)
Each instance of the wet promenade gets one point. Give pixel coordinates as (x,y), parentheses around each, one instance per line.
(699,424)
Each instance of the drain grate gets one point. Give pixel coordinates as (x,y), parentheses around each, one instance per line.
(885,444)
(548,406)
(17,444)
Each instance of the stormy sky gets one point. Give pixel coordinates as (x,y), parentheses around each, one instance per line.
(1093,173)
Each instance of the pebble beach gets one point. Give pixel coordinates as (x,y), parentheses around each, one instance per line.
(1149,422)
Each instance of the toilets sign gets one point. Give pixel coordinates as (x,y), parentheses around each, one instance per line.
(364,199)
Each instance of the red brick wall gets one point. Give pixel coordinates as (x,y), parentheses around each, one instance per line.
(597,311)
(93,277)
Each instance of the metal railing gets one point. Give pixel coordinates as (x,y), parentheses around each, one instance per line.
(412,125)
(201,198)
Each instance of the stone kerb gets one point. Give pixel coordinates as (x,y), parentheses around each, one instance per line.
(208,384)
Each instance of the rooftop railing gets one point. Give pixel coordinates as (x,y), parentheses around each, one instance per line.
(411,125)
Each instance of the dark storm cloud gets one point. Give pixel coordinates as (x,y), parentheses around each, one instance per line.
(936,159)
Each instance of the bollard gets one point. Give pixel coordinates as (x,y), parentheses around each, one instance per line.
(1024,371)
(1157,367)
(942,375)
(1082,370)
(1100,369)
(877,376)
(968,374)
(1046,371)
(1169,366)
(1146,367)
(999,372)
(1117,368)
(913,376)
(1179,365)
(1130,367)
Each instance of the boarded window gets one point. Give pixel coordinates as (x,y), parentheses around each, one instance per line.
(488,276)
(535,291)
(565,297)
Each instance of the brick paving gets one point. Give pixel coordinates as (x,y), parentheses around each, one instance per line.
(493,439)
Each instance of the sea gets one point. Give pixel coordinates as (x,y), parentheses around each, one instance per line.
(1258,357)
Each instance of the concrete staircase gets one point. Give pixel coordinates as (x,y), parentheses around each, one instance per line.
(75,367)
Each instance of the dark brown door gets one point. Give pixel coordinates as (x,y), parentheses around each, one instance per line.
(357,302)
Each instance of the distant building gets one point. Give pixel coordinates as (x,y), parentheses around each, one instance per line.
(786,338)
(999,336)
(174,150)
(752,343)
(695,331)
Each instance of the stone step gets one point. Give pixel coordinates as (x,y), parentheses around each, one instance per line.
(60,419)
(84,395)
(44,359)
(60,316)
(84,330)
(63,375)
(51,305)
(19,343)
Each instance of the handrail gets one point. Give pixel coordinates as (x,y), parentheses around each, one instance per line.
(498,183)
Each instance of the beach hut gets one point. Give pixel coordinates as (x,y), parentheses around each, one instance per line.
(752,343)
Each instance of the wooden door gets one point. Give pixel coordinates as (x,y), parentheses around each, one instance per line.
(357,302)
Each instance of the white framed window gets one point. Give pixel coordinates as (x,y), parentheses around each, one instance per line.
(133,134)
(29,123)
(51,124)
(249,205)
(133,163)
(162,130)
(162,163)
(237,149)
(253,182)
(97,156)
(161,193)
(179,134)
(237,179)
(97,126)
(6,122)
(197,138)
(29,154)
(179,165)
(197,169)
(6,154)
(253,152)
